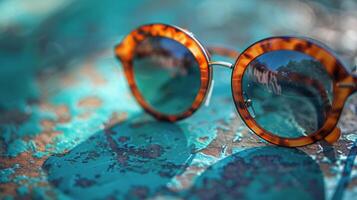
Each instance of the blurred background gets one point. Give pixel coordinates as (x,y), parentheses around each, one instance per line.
(37,35)
(60,85)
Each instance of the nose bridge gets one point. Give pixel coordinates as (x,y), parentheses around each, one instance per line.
(221,63)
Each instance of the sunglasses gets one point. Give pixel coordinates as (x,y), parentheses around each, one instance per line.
(290,91)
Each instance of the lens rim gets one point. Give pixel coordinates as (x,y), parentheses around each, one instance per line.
(125,52)
(313,48)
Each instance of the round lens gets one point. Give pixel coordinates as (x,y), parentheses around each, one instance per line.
(166,74)
(288,93)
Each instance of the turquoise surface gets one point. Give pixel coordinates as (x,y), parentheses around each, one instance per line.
(70,128)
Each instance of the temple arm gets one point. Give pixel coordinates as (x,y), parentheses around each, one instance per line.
(350,82)
(223,51)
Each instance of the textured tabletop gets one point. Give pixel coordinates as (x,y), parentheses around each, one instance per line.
(70,128)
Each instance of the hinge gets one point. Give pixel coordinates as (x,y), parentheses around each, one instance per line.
(346,85)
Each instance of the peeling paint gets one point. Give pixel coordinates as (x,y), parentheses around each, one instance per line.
(70,129)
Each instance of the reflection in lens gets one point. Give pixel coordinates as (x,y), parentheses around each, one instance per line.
(290,93)
(167,75)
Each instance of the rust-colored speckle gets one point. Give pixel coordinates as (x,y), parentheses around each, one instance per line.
(93,75)
(47,125)
(91,102)
(203,139)
(116,118)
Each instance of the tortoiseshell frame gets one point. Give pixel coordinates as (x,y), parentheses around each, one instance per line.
(125,51)
(344,84)
(339,76)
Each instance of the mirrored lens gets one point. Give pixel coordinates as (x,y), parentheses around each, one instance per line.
(288,93)
(167,75)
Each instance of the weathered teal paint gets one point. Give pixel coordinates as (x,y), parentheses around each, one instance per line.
(105,146)
(5,173)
